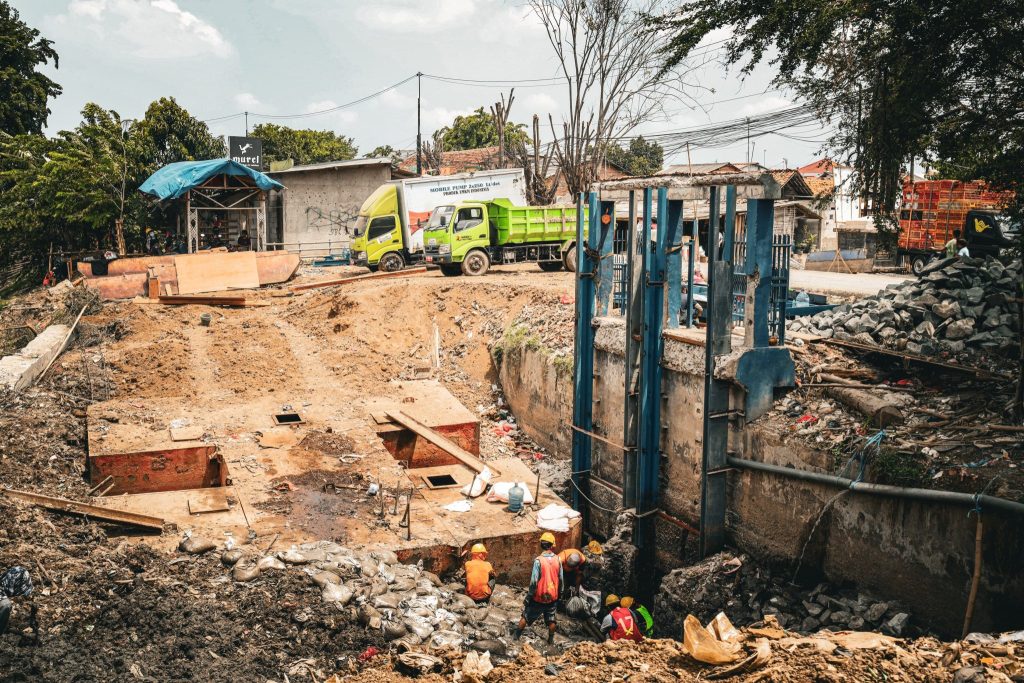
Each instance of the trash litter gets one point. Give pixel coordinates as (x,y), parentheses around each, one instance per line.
(476,666)
(459,506)
(368,654)
(703,646)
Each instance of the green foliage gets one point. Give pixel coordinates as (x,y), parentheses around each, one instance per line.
(897,469)
(386,152)
(932,79)
(68,191)
(477,130)
(303,146)
(24,91)
(642,157)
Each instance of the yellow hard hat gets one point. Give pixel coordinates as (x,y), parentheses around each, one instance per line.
(478,548)
(547,536)
(626,601)
(611,599)
(595,548)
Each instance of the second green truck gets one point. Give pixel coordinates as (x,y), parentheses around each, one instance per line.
(469,237)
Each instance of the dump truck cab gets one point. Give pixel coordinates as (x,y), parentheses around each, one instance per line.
(987,233)
(380,232)
(453,232)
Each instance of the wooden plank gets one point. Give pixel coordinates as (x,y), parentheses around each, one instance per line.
(977,372)
(444,443)
(357,278)
(381,419)
(186,433)
(216,272)
(208,500)
(86,510)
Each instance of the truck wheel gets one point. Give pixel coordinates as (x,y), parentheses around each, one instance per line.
(476,263)
(391,262)
(918,263)
(550,266)
(569,259)
(450,270)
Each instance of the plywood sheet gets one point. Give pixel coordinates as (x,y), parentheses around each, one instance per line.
(186,433)
(208,500)
(216,272)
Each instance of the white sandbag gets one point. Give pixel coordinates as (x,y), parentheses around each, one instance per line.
(479,484)
(555,517)
(336,593)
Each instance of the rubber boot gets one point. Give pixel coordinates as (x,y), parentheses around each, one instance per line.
(517,633)
(551,637)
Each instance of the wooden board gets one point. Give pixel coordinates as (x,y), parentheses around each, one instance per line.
(208,500)
(358,278)
(444,443)
(86,510)
(216,272)
(186,433)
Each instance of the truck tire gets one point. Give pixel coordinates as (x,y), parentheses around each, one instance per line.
(917,263)
(569,259)
(391,262)
(551,266)
(476,262)
(450,270)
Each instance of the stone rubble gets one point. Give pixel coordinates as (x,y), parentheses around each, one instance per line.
(958,309)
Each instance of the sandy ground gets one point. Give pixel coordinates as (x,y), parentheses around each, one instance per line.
(860,284)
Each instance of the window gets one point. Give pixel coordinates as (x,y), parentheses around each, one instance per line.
(360,226)
(381,226)
(441,217)
(469,218)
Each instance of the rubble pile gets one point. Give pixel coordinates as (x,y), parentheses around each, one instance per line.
(958,309)
(749,594)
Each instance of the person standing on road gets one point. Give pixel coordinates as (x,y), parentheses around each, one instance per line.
(545,586)
(479,575)
(951,245)
(14,583)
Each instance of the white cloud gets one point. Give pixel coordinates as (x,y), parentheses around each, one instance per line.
(393,99)
(416,15)
(343,116)
(144,29)
(248,101)
(765,104)
(538,103)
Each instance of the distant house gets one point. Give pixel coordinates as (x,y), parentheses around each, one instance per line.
(842,210)
(317,212)
(795,212)
(713,168)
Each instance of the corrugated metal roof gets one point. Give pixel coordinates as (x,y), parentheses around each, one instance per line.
(334,164)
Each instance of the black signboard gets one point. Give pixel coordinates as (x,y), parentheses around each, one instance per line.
(246,151)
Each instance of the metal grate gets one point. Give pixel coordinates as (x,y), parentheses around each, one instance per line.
(782,246)
(619,288)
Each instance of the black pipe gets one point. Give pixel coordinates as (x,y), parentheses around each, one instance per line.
(949,497)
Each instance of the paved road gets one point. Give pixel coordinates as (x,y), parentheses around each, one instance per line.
(860,284)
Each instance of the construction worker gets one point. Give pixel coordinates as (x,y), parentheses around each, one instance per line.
(620,622)
(479,575)
(572,568)
(643,617)
(545,586)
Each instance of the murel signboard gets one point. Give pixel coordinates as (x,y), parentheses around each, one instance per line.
(246,151)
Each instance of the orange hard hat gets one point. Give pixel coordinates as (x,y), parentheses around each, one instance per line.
(626,601)
(612,599)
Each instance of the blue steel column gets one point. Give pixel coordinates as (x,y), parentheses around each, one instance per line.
(604,245)
(730,222)
(649,455)
(633,312)
(760,220)
(583,368)
(673,226)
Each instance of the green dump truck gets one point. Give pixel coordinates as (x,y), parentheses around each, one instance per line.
(468,237)
(392,220)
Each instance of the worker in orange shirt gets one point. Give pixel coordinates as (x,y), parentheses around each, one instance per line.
(479,575)
(572,569)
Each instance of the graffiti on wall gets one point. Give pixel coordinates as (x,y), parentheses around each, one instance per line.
(335,222)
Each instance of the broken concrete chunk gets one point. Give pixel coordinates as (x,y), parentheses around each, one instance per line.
(897,624)
(960,329)
(876,611)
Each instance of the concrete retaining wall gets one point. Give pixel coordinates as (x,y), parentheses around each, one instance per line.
(917,552)
(539,392)
(21,369)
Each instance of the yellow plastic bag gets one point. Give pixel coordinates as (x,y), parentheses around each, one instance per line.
(702,645)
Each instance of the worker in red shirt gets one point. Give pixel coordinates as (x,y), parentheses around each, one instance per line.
(545,586)
(479,575)
(620,623)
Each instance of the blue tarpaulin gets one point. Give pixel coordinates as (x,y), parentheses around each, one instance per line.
(174,180)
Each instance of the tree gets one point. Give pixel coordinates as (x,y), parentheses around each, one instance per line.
(611,62)
(476,130)
(168,133)
(24,91)
(937,80)
(303,146)
(386,152)
(642,157)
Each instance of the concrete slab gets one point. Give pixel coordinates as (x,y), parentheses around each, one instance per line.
(21,369)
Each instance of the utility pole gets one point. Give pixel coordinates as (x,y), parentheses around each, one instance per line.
(748,140)
(419,144)
(246,124)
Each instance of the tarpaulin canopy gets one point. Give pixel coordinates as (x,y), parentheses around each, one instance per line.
(174,180)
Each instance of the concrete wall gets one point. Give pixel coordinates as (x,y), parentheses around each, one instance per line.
(537,387)
(919,553)
(321,206)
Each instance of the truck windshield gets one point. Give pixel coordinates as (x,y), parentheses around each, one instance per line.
(440,218)
(360,226)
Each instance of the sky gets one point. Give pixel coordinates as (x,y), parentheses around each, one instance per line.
(284,57)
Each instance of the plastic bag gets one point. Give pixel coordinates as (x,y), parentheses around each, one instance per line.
(476,666)
(722,628)
(499,492)
(478,485)
(702,645)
